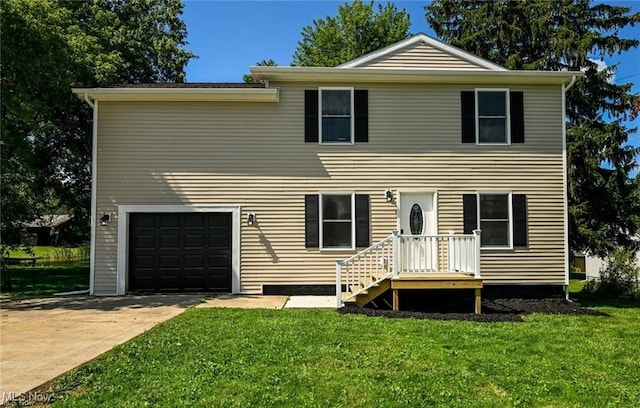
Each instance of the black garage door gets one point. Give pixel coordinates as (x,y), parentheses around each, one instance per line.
(171,252)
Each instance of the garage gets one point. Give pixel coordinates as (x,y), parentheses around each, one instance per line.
(180,252)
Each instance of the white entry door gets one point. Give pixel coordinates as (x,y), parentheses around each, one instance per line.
(417,217)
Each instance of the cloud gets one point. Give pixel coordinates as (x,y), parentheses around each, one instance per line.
(601,66)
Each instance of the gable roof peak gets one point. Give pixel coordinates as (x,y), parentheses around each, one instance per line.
(425,39)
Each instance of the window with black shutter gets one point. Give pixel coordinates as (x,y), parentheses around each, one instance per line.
(492,116)
(337,221)
(336,115)
(502,218)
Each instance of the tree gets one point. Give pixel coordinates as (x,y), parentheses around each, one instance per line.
(248,78)
(48,47)
(356,31)
(566,35)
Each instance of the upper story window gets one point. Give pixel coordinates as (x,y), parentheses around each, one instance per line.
(492,117)
(336,115)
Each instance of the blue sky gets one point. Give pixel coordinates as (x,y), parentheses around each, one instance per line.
(230,36)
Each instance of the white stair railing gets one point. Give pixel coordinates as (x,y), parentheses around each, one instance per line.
(364,270)
(407,254)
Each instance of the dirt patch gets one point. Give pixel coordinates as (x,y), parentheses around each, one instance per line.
(493,310)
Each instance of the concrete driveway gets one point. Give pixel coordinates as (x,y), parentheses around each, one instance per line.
(43,338)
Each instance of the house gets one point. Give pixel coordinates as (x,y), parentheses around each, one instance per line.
(261,188)
(48,229)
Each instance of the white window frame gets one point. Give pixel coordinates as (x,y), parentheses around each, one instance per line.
(507,116)
(320,116)
(510,209)
(353,219)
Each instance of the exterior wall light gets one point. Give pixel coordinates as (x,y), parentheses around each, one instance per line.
(388,195)
(251,218)
(105,220)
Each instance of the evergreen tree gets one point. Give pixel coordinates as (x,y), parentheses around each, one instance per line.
(248,78)
(356,30)
(567,35)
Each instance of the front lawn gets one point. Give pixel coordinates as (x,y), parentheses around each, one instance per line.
(308,358)
(46,280)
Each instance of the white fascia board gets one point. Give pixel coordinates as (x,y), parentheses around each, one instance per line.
(412,75)
(423,38)
(181,94)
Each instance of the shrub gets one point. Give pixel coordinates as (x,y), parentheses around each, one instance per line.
(618,277)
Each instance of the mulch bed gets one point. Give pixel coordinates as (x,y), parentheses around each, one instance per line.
(493,310)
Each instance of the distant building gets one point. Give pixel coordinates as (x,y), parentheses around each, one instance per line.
(49,229)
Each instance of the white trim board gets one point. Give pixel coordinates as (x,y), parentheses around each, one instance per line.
(123,236)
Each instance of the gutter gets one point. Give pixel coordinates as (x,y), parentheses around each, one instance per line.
(94,167)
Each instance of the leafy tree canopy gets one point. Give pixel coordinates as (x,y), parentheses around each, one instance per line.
(567,35)
(48,47)
(356,30)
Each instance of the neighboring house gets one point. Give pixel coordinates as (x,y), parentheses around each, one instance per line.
(260,188)
(591,265)
(48,229)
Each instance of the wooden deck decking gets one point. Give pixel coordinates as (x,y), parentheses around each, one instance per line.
(416,281)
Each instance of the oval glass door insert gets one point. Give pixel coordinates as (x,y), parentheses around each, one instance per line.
(416,220)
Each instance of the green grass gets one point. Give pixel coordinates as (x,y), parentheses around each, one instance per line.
(307,358)
(53,253)
(576,282)
(47,280)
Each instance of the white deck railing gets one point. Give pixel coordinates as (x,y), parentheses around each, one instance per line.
(407,254)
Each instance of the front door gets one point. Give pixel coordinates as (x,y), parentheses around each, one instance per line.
(417,222)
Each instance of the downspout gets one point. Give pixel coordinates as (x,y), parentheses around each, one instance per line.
(565,186)
(94,156)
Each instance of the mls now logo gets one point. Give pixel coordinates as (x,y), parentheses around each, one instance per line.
(27,398)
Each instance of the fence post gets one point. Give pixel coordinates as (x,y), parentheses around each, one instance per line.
(338,284)
(477,233)
(396,254)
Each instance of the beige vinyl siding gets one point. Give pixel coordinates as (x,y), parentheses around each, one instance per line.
(421,56)
(254,155)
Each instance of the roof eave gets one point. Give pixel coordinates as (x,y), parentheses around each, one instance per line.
(406,75)
(180,94)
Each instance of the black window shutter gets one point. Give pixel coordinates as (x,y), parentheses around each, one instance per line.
(468,110)
(361,108)
(519,220)
(362,220)
(311,115)
(470,212)
(312,221)
(516,104)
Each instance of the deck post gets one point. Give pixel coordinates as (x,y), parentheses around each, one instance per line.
(478,302)
(396,254)
(477,233)
(338,284)
(396,300)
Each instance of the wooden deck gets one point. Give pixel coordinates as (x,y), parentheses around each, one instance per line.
(417,281)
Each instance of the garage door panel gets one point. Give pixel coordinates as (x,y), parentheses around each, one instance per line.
(219,241)
(145,241)
(169,261)
(194,241)
(145,220)
(169,241)
(143,261)
(180,252)
(194,261)
(195,220)
(169,220)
